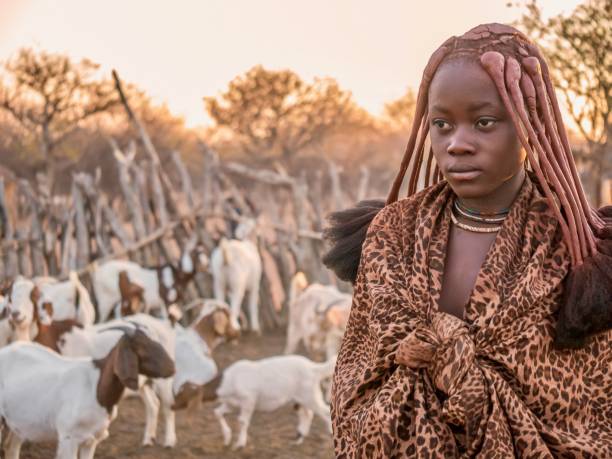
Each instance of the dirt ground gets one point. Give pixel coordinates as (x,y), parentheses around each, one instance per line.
(271,435)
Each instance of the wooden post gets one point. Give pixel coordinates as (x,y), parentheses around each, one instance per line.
(364,181)
(51,226)
(273,287)
(317,200)
(131,198)
(36,233)
(334,174)
(115,225)
(308,259)
(148,144)
(82,236)
(185,179)
(25,267)
(68,243)
(9,246)
(211,165)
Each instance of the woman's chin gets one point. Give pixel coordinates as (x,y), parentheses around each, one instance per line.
(469,190)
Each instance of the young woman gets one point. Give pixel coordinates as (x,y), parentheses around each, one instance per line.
(482,304)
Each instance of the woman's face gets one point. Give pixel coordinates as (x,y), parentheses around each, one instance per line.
(472,135)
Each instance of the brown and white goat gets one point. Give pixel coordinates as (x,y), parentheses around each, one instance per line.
(162,285)
(49,397)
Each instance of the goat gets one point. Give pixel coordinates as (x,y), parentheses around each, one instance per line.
(162,285)
(96,340)
(318,315)
(237,264)
(195,366)
(269,383)
(189,347)
(70,299)
(46,396)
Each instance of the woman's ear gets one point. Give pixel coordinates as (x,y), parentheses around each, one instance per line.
(126,364)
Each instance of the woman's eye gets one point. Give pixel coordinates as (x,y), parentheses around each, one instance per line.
(440,124)
(485,122)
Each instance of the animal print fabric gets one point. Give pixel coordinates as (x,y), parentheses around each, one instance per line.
(411,381)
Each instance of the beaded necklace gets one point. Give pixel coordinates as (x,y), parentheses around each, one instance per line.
(474,229)
(480,217)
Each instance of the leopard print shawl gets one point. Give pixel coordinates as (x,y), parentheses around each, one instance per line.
(411,381)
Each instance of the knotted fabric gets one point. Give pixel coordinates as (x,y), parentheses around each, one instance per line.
(446,350)
(412,381)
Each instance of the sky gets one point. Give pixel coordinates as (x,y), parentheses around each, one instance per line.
(182,50)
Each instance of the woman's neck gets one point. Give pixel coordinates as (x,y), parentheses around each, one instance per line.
(500,199)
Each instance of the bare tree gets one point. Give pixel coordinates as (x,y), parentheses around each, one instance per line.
(276,113)
(578,50)
(400,112)
(49,95)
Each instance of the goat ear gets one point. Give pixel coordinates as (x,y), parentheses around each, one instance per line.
(126,364)
(48,307)
(124,284)
(220,322)
(35,295)
(6,287)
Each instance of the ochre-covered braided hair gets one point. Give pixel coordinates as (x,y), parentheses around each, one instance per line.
(523,81)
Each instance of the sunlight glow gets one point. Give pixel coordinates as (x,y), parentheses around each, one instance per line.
(182,51)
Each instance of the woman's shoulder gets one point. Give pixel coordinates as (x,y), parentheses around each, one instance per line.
(405,211)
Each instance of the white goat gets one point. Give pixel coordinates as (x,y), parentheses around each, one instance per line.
(237,264)
(317,316)
(70,299)
(46,396)
(268,384)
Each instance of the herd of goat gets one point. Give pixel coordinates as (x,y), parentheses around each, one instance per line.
(66,363)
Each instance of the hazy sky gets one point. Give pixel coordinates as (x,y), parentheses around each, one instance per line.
(180,51)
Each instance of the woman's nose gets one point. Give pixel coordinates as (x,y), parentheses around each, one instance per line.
(461,143)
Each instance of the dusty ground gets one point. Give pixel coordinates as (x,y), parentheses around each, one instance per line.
(271,435)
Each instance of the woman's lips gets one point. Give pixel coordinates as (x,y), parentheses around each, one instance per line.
(463,173)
